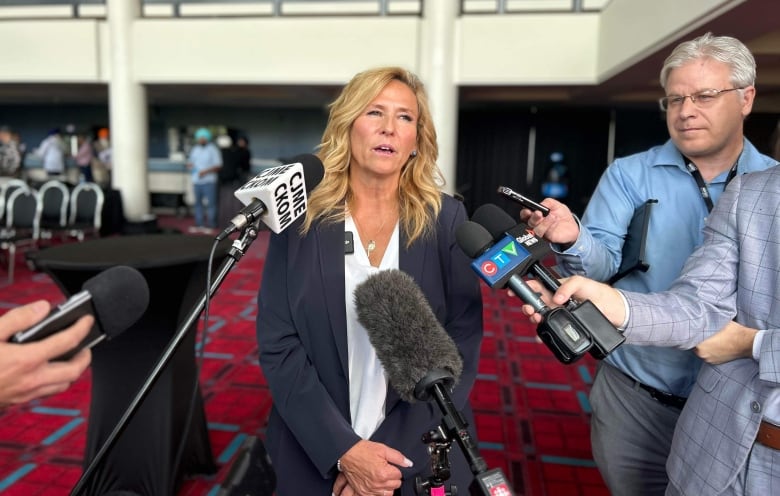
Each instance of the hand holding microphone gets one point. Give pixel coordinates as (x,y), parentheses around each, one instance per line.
(602,333)
(27,372)
(116,297)
(553,222)
(502,264)
(606,298)
(47,351)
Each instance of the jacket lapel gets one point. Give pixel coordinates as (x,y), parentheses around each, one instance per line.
(331,255)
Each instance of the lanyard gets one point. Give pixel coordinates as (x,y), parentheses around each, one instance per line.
(705,193)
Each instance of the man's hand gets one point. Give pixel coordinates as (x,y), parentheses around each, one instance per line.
(369,469)
(607,299)
(558,226)
(732,342)
(25,370)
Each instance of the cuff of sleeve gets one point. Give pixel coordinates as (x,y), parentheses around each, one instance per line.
(622,326)
(757,344)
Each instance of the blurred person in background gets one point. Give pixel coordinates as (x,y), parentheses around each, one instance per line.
(101,162)
(52,152)
(232,175)
(84,157)
(204,163)
(10,158)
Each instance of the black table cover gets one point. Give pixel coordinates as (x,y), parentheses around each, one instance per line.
(142,458)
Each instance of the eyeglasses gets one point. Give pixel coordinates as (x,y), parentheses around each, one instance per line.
(701,99)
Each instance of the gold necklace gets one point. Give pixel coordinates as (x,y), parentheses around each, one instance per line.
(371,245)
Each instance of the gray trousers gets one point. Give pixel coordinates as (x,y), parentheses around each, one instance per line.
(631,434)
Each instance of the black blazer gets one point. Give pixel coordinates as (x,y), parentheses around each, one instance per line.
(301,331)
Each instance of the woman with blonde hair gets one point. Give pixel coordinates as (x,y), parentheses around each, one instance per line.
(335,426)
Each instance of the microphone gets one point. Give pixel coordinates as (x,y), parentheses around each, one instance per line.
(499,223)
(421,360)
(277,195)
(500,265)
(117,297)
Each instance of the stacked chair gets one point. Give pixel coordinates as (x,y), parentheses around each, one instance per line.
(30,217)
(86,210)
(20,221)
(54,200)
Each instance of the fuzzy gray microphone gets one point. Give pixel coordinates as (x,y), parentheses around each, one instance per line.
(419,357)
(412,346)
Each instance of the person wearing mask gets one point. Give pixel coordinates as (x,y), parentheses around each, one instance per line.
(26,370)
(204,162)
(335,426)
(639,391)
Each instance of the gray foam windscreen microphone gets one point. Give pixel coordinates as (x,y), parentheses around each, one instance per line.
(408,339)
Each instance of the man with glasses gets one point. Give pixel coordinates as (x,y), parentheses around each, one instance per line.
(639,391)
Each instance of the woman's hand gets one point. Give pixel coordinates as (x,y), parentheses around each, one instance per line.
(370,469)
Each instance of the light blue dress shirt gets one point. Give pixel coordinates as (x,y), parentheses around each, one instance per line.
(674,232)
(204,157)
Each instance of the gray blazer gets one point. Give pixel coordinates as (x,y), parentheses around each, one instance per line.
(734,274)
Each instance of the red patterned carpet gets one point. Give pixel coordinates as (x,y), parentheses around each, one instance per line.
(532,411)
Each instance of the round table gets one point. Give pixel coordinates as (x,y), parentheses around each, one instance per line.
(174,266)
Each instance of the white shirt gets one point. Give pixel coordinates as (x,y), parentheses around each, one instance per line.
(367,379)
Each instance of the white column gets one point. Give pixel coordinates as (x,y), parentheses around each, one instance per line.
(127,113)
(437,47)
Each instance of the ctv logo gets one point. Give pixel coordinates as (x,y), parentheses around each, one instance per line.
(499,260)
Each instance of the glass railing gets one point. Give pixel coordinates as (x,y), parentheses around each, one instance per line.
(53,9)
(31,9)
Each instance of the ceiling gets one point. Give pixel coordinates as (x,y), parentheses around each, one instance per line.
(755,22)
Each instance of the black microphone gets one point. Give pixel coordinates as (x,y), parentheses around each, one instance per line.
(601,331)
(117,297)
(277,195)
(421,360)
(475,242)
(500,265)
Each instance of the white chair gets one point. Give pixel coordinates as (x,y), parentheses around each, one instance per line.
(21,225)
(7,187)
(54,198)
(86,210)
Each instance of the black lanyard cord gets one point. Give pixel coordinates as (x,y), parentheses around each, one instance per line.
(705,193)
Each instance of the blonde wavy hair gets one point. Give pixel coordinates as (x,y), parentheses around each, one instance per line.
(419,188)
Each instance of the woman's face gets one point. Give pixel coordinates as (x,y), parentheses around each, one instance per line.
(384,136)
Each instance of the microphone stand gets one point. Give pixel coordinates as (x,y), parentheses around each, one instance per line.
(486,481)
(235,253)
(439,444)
